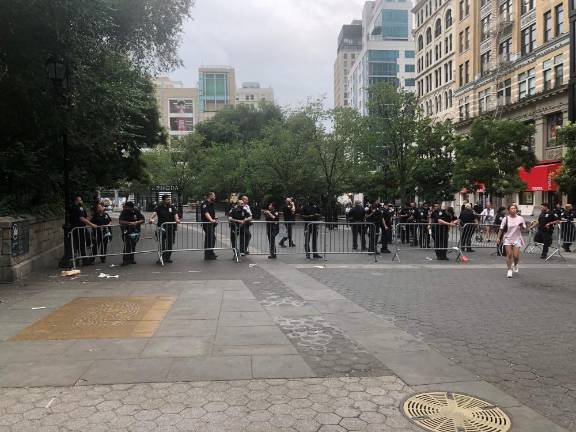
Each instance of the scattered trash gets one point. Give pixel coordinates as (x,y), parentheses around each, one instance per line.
(317,266)
(38,307)
(256,283)
(1,300)
(113,265)
(193,271)
(50,403)
(251,265)
(428,259)
(74,272)
(107,276)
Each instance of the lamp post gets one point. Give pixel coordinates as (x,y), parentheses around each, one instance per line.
(57,71)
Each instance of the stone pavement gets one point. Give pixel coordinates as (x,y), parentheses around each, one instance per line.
(258,345)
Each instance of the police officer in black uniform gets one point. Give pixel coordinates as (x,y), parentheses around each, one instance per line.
(130,220)
(568,227)
(374,217)
(356,216)
(412,229)
(166,214)
(441,221)
(387,226)
(289,212)
(311,213)
(101,235)
(239,218)
(208,216)
(422,216)
(545,224)
(272,217)
(403,216)
(80,238)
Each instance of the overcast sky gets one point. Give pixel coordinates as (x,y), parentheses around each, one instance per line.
(289,45)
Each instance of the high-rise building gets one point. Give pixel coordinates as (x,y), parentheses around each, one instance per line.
(252,94)
(512,61)
(349,45)
(216,89)
(435,57)
(387,53)
(178,106)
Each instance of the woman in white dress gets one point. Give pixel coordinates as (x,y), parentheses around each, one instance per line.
(510,234)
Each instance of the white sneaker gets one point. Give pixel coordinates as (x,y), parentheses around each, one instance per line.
(515,269)
(509,274)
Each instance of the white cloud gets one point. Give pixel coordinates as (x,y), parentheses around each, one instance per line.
(289,45)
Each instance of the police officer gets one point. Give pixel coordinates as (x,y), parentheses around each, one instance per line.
(387,226)
(558,210)
(209,219)
(441,221)
(247,234)
(130,220)
(101,235)
(545,224)
(356,216)
(239,219)
(568,227)
(412,229)
(272,217)
(166,214)
(78,222)
(422,216)
(289,212)
(311,213)
(403,216)
(374,217)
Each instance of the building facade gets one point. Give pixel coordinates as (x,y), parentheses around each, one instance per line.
(349,45)
(387,53)
(252,94)
(512,62)
(216,89)
(178,107)
(434,35)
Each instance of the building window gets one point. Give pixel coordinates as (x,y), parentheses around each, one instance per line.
(467,38)
(526,198)
(485,28)
(438,28)
(526,84)
(547,26)
(483,3)
(547,74)
(428,35)
(409,68)
(448,20)
(395,24)
(484,101)
(420,43)
(464,108)
(504,94)
(461,75)
(528,39)
(467,71)
(553,122)
(409,54)
(461,42)
(464,8)
(559,13)
(485,63)
(527,6)
(409,82)
(506,9)
(504,49)
(558,71)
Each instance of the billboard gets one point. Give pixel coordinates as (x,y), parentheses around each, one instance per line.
(181,106)
(181,124)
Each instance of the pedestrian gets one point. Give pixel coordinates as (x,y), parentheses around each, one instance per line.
(356,218)
(498,218)
(469,224)
(79,222)
(487,219)
(510,235)
(272,217)
(568,227)
(101,235)
(311,214)
(239,219)
(289,213)
(374,219)
(168,217)
(545,225)
(478,209)
(247,233)
(209,223)
(441,221)
(130,220)
(422,216)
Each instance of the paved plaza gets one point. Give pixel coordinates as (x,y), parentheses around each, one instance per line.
(292,345)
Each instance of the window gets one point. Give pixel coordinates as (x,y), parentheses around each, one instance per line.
(559,14)
(504,49)
(464,8)
(428,35)
(504,94)
(547,74)
(467,71)
(409,68)
(461,42)
(438,28)
(558,71)
(483,101)
(547,26)
(409,54)
(526,84)
(485,28)
(464,108)
(506,9)
(527,6)
(553,122)
(528,39)
(485,63)
(448,19)
(526,198)
(483,3)
(420,43)
(409,82)
(461,75)
(467,38)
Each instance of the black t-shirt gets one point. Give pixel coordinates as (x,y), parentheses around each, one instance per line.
(544,219)
(238,213)
(467,216)
(274,217)
(77,212)
(165,214)
(412,213)
(131,215)
(374,216)
(440,214)
(311,212)
(207,207)
(357,214)
(403,215)
(422,215)
(101,219)
(288,215)
(568,215)
(387,214)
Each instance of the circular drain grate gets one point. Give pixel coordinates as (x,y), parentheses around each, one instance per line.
(455,412)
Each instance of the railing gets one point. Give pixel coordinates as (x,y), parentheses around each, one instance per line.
(443,239)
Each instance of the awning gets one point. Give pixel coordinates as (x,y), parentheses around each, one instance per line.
(480,188)
(540,177)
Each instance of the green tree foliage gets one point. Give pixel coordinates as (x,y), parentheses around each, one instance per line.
(492,154)
(109,110)
(566,178)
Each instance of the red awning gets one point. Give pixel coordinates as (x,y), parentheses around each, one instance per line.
(540,177)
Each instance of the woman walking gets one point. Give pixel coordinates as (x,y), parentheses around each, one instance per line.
(510,235)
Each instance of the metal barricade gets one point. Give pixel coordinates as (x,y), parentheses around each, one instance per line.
(536,243)
(443,239)
(102,242)
(478,236)
(193,237)
(566,235)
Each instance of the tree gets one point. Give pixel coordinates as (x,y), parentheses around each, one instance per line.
(566,178)
(492,154)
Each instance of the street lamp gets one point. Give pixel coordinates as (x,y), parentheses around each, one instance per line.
(57,72)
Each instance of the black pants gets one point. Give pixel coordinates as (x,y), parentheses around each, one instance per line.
(567,234)
(209,238)
(129,248)
(239,234)
(546,237)
(411,232)
(81,239)
(289,227)
(404,234)
(423,236)
(373,231)
(467,234)
(271,232)
(386,238)
(311,232)
(168,235)
(440,236)
(358,231)
(100,243)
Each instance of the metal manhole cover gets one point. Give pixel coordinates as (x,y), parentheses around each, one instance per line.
(455,412)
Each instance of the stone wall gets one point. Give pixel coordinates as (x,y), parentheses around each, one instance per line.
(45,247)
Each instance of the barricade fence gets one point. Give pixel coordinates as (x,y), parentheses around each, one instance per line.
(443,239)
(552,244)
